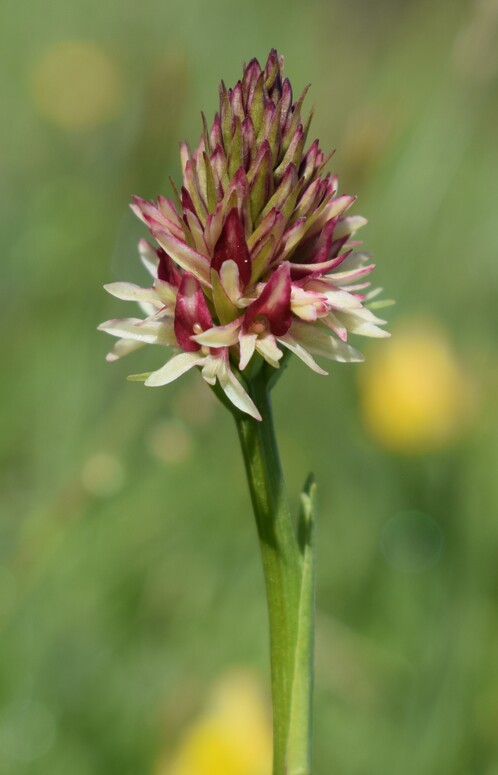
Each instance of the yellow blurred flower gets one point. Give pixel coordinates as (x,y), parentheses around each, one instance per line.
(415,395)
(77,85)
(233,737)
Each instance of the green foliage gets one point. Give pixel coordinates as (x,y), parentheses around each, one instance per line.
(129,568)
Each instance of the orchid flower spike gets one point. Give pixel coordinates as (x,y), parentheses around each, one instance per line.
(255,255)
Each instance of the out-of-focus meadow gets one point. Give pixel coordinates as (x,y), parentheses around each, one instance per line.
(132,615)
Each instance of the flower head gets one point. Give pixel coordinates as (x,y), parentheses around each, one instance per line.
(255,255)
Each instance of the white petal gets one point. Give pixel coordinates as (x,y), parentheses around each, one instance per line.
(235,392)
(165,292)
(148,256)
(247,347)
(318,342)
(220,336)
(174,368)
(363,322)
(342,300)
(210,369)
(349,225)
(123,347)
(148,331)
(335,324)
(267,347)
(301,353)
(230,280)
(346,278)
(307,305)
(148,309)
(132,292)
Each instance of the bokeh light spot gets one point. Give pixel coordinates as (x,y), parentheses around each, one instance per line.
(194,404)
(232,737)
(412,541)
(102,474)
(170,442)
(77,85)
(415,395)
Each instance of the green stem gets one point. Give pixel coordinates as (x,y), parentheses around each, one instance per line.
(284,564)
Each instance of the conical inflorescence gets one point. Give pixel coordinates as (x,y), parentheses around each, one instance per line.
(255,254)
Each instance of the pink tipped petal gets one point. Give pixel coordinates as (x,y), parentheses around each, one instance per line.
(273,303)
(187,203)
(213,227)
(336,326)
(154,219)
(322,250)
(191,311)
(338,206)
(232,246)
(173,369)
(185,256)
(308,305)
(306,270)
(167,208)
(344,278)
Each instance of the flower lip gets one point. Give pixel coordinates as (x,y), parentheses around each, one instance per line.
(259,325)
(273,303)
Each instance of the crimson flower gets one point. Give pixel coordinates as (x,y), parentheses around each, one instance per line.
(255,255)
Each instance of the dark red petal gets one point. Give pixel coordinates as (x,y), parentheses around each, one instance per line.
(274,302)
(166,270)
(251,75)
(190,309)
(187,202)
(232,246)
(310,271)
(322,249)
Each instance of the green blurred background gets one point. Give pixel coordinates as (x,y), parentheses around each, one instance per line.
(130,580)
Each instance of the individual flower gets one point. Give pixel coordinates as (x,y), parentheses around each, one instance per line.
(255,255)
